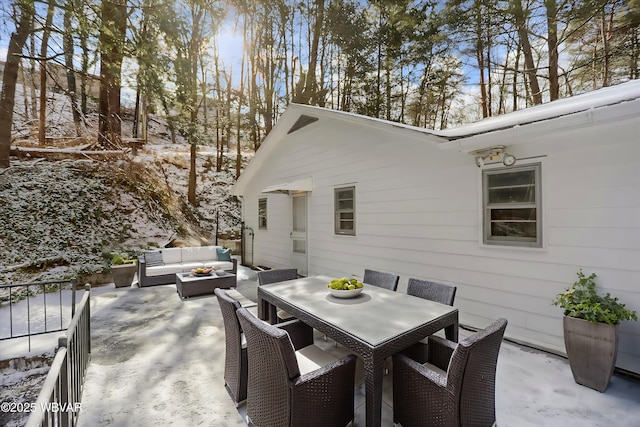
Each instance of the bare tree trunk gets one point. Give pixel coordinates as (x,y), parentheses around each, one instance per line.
(633,54)
(10,77)
(239,113)
(112,34)
(23,79)
(388,64)
(167,113)
(194,57)
(253,111)
(84,70)
(607,25)
(44,45)
(32,73)
(515,77)
(489,74)
(481,65)
(530,68)
(67,42)
(284,16)
(227,112)
(552,46)
(293,62)
(191,193)
(311,87)
(219,141)
(136,114)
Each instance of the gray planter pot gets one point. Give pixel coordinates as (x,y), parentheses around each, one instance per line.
(123,274)
(592,349)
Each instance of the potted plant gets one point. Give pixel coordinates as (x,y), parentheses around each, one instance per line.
(590,326)
(123,270)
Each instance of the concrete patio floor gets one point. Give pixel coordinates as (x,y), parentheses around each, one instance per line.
(159,360)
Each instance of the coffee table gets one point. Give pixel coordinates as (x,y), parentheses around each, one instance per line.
(189,286)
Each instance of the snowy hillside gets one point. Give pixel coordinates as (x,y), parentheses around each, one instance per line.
(60,218)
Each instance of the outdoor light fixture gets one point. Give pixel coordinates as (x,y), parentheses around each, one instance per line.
(493,154)
(508,159)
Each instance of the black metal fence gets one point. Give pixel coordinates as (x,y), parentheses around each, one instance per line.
(59,401)
(36,323)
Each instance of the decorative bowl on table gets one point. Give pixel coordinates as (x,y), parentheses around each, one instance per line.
(349,293)
(220,272)
(345,288)
(200,272)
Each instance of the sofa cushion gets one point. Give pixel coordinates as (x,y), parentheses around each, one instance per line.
(172,255)
(201,253)
(223,254)
(188,266)
(162,270)
(153,258)
(311,358)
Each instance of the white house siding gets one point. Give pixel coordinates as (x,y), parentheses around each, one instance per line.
(418,214)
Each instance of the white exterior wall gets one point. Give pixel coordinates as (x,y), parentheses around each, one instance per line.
(418,214)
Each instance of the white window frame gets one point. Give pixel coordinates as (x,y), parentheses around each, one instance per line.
(487,207)
(339,212)
(262,214)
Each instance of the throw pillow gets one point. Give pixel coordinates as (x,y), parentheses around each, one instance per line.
(223,254)
(153,258)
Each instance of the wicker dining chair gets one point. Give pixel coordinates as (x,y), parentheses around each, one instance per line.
(433,291)
(235,359)
(381,279)
(456,385)
(274,276)
(280,393)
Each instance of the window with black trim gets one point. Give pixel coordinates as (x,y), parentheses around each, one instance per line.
(512,205)
(345,210)
(262,214)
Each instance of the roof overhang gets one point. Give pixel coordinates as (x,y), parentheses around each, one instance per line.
(299,185)
(608,106)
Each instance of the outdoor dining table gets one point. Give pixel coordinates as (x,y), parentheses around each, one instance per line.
(374,325)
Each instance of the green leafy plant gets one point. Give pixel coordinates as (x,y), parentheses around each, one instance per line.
(582,301)
(118,259)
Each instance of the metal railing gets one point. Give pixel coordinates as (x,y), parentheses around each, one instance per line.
(13,298)
(59,401)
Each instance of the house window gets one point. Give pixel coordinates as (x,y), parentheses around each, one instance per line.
(512,206)
(262,214)
(345,210)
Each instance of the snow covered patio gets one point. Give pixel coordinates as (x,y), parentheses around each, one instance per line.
(158,360)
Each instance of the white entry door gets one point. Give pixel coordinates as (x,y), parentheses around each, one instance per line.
(299,233)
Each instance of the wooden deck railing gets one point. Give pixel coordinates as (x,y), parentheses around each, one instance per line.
(59,401)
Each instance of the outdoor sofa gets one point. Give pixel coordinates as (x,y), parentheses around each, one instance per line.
(159,267)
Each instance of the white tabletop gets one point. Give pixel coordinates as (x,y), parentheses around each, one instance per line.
(375,316)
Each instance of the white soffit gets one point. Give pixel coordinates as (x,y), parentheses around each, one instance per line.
(304,184)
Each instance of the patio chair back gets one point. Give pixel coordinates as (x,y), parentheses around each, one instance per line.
(473,374)
(273,276)
(278,396)
(463,394)
(433,291)
(272,363)
(235,359)
(381,279)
